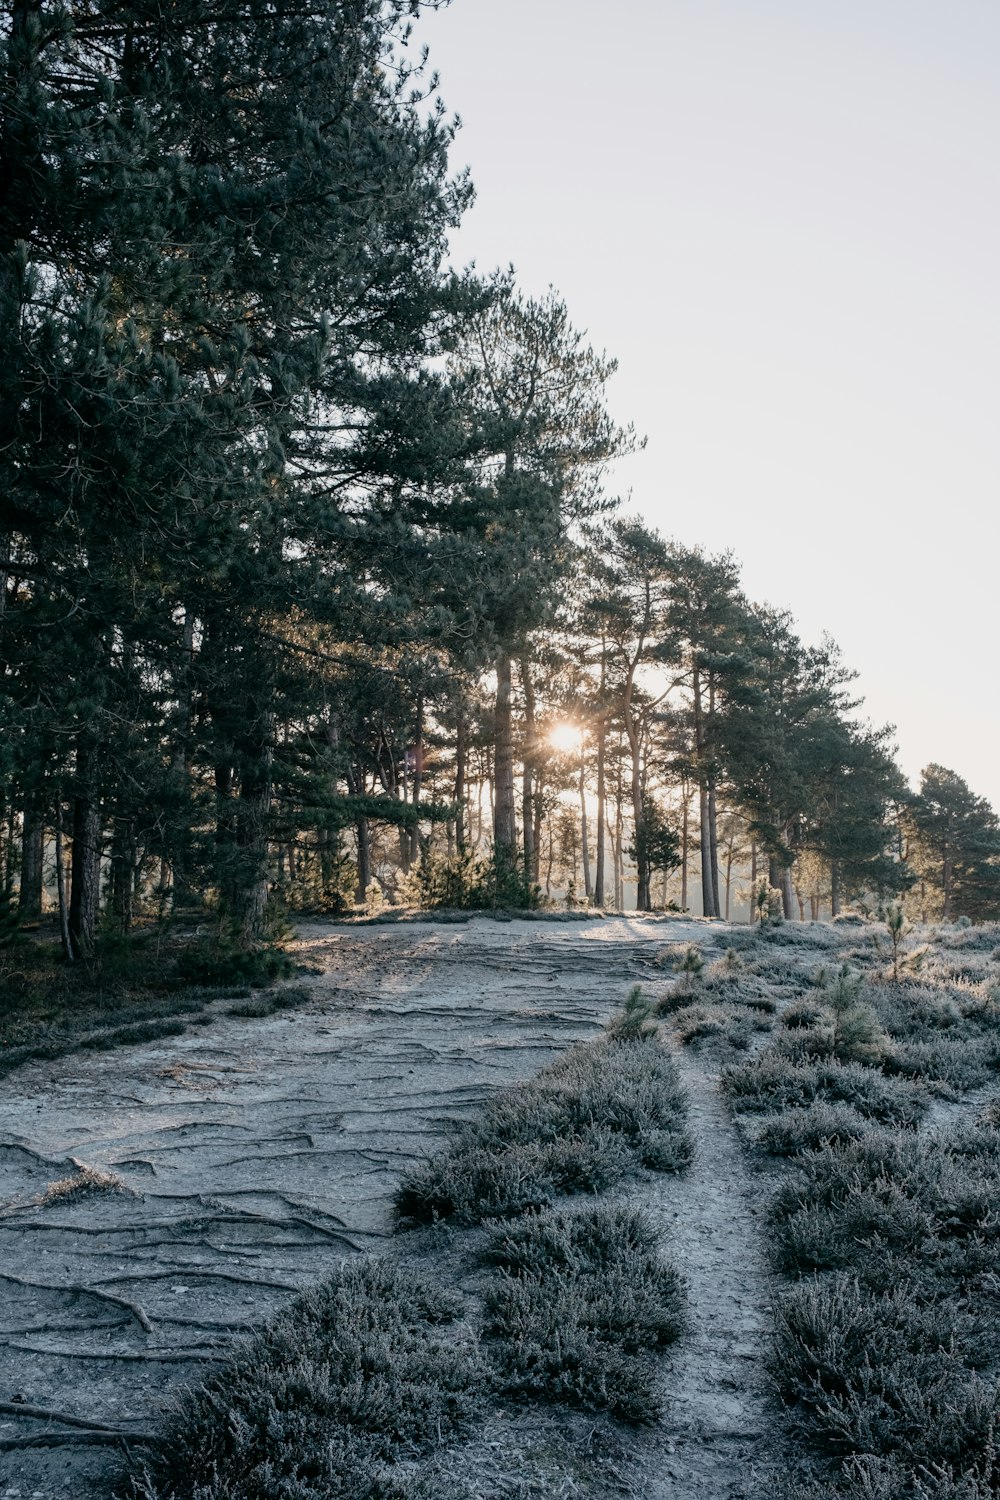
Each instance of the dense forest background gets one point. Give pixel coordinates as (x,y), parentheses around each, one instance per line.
(313,594)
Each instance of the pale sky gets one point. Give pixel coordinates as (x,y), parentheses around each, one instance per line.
(782,217)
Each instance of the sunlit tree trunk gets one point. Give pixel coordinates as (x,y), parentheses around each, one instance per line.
(584,837)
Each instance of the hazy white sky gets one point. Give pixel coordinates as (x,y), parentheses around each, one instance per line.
(783,218)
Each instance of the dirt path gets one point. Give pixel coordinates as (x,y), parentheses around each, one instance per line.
(258,1152)
(720,1430)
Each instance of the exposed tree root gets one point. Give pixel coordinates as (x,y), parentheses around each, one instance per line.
(74,1289)
(150,1356)
(46,1414)
(77,1439)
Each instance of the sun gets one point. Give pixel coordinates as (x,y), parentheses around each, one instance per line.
(565,736)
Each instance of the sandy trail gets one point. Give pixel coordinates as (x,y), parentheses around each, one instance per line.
(261,1151)
(720,1436)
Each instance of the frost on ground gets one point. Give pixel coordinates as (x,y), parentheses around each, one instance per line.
(244,1161)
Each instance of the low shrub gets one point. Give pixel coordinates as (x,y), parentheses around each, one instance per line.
(353,1376)
(774,1082)
(580,1299)
(808,1128)
(584,1122)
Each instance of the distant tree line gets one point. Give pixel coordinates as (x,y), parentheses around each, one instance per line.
(306,570)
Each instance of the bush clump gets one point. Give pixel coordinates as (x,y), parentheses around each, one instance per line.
(579,1126)
(322,1404)
(580,1300)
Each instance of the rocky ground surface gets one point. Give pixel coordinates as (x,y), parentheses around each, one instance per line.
(255,1153)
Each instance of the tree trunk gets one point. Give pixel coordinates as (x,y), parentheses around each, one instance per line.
(364,858)
(601,813)
(707,886)
(713,826)
(787,894)
(252,824)
(417,785)
(584,841)
(713,844)
(685,839)
(123,863)
(180,843)
(643,900)
(85,887)
(32,857)
(504,819)
(460,785)
(67,941)
(527,775)
(708,906)
(835,889)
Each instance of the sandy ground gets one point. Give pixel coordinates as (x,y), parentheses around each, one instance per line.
(258,1152)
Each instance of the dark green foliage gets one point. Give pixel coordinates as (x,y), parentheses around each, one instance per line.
(956,846)
(636,1020)
(356,1374)
(466,883)
(580,1125)
(214,964)
(581,1297)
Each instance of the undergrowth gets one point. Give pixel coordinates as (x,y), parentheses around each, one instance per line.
(141,991)
(884,1349)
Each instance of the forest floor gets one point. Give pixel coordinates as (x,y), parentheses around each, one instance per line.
(254,1154)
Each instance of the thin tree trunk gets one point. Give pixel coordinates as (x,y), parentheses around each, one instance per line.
(685,841)
(67,942)
(835,889)
(713,827)
(707,888)
(32,860)
(364,858)
(527,775)
(460,784)
(123,865)
(85,887)
(417,785)
(181,840)
(601,805)
(713,844)
(708,907)
(504,820)
(584,842)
